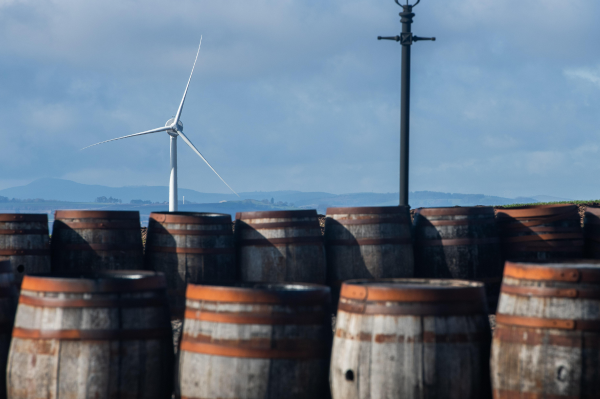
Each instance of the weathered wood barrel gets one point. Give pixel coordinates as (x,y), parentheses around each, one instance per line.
(591,229)
(102,335)
(459,242)
(8,305)
(88,241)
(255,341)
(280,246)
(411,339)
(547,338)
(24,238)
(368,242)
(540,232)
(190,247)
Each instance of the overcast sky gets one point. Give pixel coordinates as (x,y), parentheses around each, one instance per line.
(299,95)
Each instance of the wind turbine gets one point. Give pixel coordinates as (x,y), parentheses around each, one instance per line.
(174,128)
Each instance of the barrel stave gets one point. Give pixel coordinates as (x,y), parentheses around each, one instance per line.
(280,246)
(257,348)
(546,361)
(91,342)
(98,241)
(367,242)
(541,232)
(400,356)
(395,338)
(190,247)
(28,233)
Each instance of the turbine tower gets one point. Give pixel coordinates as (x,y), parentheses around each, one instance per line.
(174,127)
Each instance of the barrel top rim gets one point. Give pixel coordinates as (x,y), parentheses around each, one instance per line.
(276,214)
(555,263)
(190,217)
(101,281)
(23,217)
(368,210)
(91,214)
(574,270)
(412,290)
(536,210)
(455,210)
(258,292)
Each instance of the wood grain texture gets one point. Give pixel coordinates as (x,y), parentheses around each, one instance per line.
(440,254)
(184,267)
(547,362)
(92,368)
(263,376)
(420,356)
(293,253)
(23,234)
(349,257)
(87,244)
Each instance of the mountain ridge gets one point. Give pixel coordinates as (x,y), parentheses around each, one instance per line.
(69,191)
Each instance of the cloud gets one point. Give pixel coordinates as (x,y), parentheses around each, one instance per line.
(591,75)
(300,95)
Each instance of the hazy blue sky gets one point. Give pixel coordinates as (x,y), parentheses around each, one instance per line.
(300,95)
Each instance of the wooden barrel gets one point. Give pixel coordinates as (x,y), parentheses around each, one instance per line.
(102,335)
(368,242)
(8,305)
(190,247)
(88,241)
(280,246)
(547,338)
(591,230)
(459,242)
(255,341)
(540,232)
(24,238)
(411,339)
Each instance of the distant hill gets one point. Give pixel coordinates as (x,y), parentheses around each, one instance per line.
(82,196)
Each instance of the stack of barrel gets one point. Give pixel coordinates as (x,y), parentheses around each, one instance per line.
(97,316)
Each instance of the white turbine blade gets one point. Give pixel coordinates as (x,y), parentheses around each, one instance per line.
(188,142)
(160,129)
(186,87)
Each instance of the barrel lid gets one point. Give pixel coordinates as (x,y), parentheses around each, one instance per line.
(456,210)
(377,210)
(5,264)
(24,217)
(276,214)
(82,214)
(575,270)
(104,281)
(536,210)
(260,292)
(190,217)
(413,290)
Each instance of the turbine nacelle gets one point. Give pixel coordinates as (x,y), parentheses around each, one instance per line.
(171,123)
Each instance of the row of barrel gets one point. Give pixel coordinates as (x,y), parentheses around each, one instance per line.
(107,335)
(287,246)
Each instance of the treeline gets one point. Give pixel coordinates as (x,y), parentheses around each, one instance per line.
(6,199)
(278,203)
